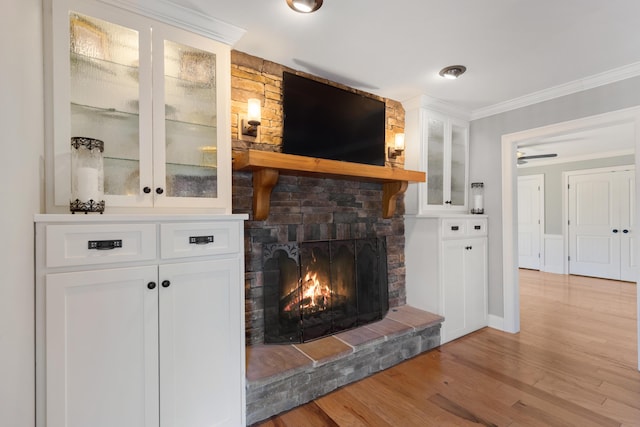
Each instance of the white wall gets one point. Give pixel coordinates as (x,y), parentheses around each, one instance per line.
(21,121)
(485,152)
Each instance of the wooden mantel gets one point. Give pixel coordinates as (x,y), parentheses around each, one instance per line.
(267,167)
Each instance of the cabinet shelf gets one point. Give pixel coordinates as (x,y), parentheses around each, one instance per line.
(267,166)
(104,65)
(133,115)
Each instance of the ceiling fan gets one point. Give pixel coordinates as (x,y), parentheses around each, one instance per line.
(522,158)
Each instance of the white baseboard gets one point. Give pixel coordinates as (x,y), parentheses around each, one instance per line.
(496,322)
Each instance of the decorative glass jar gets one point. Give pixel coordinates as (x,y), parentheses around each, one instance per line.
(87,175)
(477,198)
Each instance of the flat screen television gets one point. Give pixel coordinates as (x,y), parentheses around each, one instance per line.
(331,123)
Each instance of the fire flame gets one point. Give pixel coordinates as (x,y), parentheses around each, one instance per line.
(313,296)
(313,292)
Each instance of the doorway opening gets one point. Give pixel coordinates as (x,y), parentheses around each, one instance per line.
(511,298)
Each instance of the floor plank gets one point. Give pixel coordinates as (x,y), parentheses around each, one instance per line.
(573,363)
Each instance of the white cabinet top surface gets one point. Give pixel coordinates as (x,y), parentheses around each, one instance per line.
(109,218)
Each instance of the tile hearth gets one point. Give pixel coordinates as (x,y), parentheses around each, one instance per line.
(280,377)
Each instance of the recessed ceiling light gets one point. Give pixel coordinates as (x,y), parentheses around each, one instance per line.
(453,71)
(304,6)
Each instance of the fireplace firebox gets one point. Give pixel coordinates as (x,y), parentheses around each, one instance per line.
(319,288)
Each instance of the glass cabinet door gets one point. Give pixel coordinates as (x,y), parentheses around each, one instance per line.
(458,165)
(435,161)
(190,141)
(192,144)
(104,98)
(446,159)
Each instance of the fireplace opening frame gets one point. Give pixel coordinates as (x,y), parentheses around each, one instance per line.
(350,278)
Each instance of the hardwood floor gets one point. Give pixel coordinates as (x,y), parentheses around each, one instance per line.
(574,363)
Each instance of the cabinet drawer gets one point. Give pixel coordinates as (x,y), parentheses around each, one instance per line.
(181,240)
(454,227)
(477,227)
(70,245)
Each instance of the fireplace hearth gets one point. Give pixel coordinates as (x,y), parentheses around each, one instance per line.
(319,288)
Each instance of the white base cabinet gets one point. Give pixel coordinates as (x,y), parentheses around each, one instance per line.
(446,270)
(144,328)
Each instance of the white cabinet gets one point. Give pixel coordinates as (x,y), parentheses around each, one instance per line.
(447,270)
(438,144)
(132,334)
(164,117)
(102,348)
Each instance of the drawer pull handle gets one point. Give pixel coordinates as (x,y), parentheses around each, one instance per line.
(455,228)
(200,240)
(104,245)
(477,227)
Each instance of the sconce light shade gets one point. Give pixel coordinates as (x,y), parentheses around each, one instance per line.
(254,117)
(398,146)
(304,6)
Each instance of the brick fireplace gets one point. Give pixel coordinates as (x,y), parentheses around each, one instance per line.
(305,208)
(316,208)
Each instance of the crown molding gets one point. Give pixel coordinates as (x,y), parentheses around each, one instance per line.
(182,17)
(611,76)
(437,105)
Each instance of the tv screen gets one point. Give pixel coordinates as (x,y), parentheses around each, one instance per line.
(331,123)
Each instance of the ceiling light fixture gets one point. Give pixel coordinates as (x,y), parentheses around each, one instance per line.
(452,72)
(304,6)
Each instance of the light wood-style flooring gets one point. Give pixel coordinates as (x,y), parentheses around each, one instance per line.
(574,363)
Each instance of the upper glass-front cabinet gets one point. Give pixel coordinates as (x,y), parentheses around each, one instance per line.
(157,96)
(445,155)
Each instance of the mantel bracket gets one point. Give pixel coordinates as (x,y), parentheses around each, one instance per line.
(390,193)
(263,182)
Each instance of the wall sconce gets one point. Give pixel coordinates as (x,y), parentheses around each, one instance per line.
(398,146)
(251,123)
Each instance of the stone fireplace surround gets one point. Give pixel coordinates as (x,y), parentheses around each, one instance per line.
(307,208)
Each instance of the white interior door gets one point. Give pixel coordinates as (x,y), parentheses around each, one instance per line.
(600,219)
(530,220)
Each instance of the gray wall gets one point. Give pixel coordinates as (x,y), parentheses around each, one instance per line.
(485,151)
(553,188)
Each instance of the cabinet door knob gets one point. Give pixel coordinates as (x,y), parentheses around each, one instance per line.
(625,231)
(615,230)
(146,190)
(448,202)
(166,283)
(159,190)
(151,285)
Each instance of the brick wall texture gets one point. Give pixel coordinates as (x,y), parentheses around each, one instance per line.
(305,208)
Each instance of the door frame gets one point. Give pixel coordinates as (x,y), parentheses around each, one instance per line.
(539,177)
(565,204)
(510,281)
